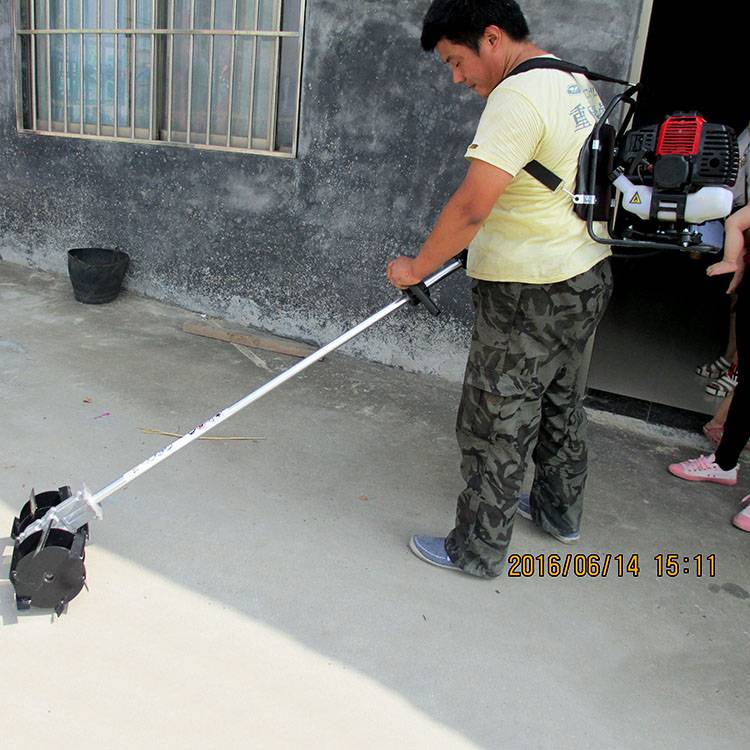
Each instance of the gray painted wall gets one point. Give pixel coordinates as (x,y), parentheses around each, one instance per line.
(299,246)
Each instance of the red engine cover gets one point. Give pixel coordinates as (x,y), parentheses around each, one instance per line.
(681,135)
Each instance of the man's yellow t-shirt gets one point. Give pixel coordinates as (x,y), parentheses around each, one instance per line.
(532,235)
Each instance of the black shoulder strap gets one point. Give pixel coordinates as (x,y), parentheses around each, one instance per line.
(546,176)
(569,67)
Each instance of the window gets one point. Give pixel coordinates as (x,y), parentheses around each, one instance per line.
(206,73)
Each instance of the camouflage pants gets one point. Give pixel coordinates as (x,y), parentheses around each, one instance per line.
(524,389)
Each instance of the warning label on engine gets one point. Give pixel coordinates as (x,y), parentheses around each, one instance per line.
(636,199)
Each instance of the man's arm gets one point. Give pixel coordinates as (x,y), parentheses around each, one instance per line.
(456,226)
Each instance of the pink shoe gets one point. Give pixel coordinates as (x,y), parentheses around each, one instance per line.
(704,469)
(742,519)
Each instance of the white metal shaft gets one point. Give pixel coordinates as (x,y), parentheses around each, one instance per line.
(217,419)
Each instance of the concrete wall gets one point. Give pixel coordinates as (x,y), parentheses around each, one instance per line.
(299,246)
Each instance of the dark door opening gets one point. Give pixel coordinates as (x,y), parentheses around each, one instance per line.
(666,316)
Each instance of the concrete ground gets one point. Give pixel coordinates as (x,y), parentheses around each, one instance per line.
(261,593)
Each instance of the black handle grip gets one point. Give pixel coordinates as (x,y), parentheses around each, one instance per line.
(419,294)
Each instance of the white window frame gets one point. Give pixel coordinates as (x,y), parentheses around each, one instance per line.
(161,129)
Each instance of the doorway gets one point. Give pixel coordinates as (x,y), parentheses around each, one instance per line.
(666,316)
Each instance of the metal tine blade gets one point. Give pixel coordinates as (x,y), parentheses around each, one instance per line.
(43,538)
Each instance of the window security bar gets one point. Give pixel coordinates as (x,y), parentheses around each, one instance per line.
(205,73)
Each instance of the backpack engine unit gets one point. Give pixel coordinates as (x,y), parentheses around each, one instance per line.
(672,178)
(655,186)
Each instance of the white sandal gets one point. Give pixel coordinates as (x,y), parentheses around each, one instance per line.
(715,369)
(724,385)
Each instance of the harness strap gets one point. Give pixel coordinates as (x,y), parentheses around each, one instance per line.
(546,176)
(569,67)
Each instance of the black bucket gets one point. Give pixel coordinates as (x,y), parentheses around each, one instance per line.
(96,274)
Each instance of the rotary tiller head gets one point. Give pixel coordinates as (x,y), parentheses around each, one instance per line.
(47,568)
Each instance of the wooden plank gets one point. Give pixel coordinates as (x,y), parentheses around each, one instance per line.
(253,340)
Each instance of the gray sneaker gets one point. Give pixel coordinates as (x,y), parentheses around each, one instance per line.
(524,510)
(431,549)
(524,506)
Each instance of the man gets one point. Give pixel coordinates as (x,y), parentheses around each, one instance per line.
(540,286)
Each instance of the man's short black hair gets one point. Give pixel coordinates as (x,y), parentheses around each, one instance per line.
(464,21)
